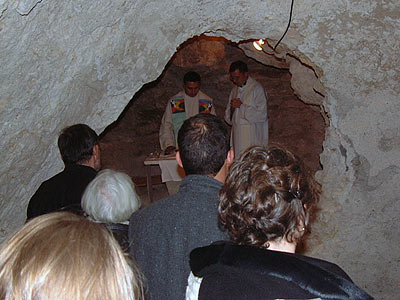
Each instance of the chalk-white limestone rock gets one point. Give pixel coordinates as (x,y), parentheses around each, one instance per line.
(64,62)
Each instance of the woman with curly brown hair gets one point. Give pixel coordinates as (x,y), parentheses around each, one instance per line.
(265,206)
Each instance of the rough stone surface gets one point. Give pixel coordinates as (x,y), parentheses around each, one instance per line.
(64,62)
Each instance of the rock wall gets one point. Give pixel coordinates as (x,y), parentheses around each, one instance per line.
(82,61)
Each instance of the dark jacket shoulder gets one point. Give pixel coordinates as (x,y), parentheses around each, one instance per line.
(245,272)
(62,191)
(120,233)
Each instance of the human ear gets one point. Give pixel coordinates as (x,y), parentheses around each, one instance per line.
(230,157)
(178,159)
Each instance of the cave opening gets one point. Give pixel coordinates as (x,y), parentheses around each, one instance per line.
(296,118)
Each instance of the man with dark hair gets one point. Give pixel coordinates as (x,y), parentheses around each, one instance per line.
(187,103)
(246,110)
(80,152)
(163,234)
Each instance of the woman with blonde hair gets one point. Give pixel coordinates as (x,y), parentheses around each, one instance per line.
(64,256)
(265,206)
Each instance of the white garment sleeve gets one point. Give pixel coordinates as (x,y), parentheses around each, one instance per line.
(213,108)
(193,287)
(257,112)
(167,129)
(228,110)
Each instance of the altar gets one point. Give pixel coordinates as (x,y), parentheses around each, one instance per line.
(170,170)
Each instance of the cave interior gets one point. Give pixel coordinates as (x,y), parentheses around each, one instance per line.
(293,123)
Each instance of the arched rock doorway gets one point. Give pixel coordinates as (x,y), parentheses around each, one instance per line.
(293,123)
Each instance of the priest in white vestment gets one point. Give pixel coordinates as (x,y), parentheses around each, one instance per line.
(187,103)
(246,111)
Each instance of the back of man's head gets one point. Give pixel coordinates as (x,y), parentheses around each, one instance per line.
(76,143)
(203,142)
(238,65)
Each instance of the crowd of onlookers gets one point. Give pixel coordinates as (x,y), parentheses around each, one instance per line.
(230,232)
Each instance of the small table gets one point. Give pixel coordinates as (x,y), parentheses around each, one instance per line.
(151,162)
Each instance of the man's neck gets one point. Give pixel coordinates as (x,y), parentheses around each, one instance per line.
(85,164)
(75,165)
(243,85)
(221,175)
(89,163)
(219,178)
(223,172)
(189,97)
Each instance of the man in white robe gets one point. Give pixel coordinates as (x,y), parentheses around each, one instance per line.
(187,103)
(246,111)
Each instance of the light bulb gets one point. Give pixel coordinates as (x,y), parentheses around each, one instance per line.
(258,44)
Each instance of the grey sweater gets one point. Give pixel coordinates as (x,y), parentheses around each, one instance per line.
(163,234)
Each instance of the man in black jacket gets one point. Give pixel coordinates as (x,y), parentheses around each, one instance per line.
(79,149)
(163,234)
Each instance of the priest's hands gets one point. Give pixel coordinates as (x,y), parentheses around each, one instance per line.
(169,150)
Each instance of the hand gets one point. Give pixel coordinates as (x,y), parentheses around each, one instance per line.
(169,150)
(236,102)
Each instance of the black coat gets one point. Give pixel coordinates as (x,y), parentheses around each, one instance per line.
(61,192)
(120,233)
(245,272)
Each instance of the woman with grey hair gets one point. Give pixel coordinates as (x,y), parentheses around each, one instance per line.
(265,206)
(110,198)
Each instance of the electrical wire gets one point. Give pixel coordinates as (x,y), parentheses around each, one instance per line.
(287,28)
